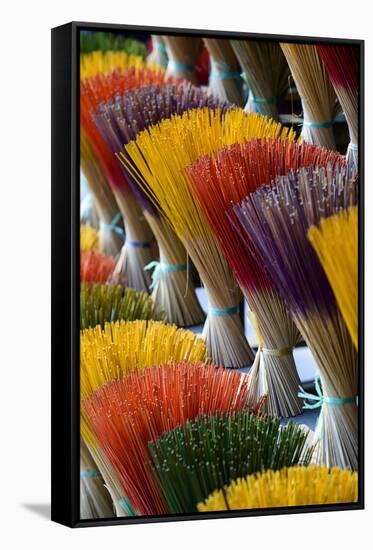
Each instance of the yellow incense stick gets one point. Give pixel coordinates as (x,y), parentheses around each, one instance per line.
(336,244)
(124,347)
(88,238)
(158,160)
(295,486)
(97,62)
(162,153)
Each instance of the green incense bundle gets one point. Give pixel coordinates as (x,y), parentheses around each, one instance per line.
(193,460)
(107,303)
(107,41)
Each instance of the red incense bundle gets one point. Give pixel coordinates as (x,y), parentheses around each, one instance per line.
(227,177)
(136,253)
(342,64)
(95,267)
(125,415)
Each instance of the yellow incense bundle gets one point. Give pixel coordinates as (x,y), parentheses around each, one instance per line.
(98,61)
(112,353)
(295,486)
(124,347)
(336,244)
(88,238)
(158,160)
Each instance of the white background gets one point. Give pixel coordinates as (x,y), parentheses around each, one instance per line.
(25,273)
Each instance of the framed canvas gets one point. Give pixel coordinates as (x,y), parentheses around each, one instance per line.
(207,274)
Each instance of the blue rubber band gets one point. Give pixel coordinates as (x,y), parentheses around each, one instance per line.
(127,506)
(318,124)
(176,66)
(224,311)
(90,473)
(320,399)
(161,47)
(353,146)
(112,226)
(160,268)
(261,99)
(222,71)
(138,244)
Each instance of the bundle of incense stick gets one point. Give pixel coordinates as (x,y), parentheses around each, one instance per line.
(99,62)
(158,55)
(342,63)
(125,415)
(119,501)
(107,303)
(120,121)
(95,267)
(107,41)
(182,52)
(136,252)
(224,80)
(316,92)
(265,73)
(157,161)
(111,233)
(116,351)
(123,347)
(277,217)
(227,177)
(95,500)
(203,455)
(88,210)
(88,238)
(336,244)
(295,486)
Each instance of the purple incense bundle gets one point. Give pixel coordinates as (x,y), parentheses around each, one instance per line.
(276,218)
(120,120)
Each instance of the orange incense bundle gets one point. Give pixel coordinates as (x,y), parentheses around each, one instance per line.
(227,177)
(125,415)
(136,253)
(95,267)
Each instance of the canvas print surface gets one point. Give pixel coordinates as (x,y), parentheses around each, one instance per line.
(218,274)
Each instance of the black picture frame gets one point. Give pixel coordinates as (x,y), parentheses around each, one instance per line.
(65,275)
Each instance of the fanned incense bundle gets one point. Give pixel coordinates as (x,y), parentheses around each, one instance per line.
(158,55)
(118,350)
(108,303)
(95,267)
(95,500)
(336,244)
(182,52)
(111,234)
(224,80)
(265,73)
(120,121)
(127,414)
(159,158)
(342,63)
(123,347)
(227,177)
(316,92)
(107,41)
(277,219)
(296,486)
(98,62)
(204,455)
(136,253)
(88,238)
